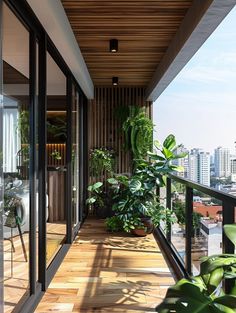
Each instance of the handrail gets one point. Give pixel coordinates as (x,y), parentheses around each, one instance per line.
(220,195)
(228,213)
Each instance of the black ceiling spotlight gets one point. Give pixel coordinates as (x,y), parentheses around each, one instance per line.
(113,45)
(114,81)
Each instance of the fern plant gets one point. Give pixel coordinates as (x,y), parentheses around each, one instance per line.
(138,129)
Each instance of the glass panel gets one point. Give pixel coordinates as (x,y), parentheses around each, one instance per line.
(178,228)
(15,159)
(207,228)
(56,158)
(1,174)
(75,156)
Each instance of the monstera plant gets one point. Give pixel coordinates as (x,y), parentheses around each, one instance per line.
(204,293)
(135,197)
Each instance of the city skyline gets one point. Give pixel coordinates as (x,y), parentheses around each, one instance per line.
(198,107)
(189,149)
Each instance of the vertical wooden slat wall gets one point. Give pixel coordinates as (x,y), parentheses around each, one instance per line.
(104,130)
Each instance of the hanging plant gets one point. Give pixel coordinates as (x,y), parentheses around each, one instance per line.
(138,129)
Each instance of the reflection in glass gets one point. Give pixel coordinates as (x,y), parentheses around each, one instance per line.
(15,157)
(56,158)
(178,228)
(207,228)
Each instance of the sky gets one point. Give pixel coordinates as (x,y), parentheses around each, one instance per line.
(199,106)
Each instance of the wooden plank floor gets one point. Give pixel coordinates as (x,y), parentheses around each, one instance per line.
(16,267)
(105,272)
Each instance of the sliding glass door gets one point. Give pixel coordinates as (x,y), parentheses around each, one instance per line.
(41,159)
(16,159)
(56,158)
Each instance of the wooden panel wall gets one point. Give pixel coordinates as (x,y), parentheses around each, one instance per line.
(56,198)
(104,130)
(59,147)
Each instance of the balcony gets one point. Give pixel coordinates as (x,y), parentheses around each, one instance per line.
(105,272)
(61,86)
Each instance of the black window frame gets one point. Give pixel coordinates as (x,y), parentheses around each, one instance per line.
(38,35)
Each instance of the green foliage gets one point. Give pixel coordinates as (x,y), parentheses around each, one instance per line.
(113,224)
(230,231)
(138,129)
(179,211)
(196,222)
(135,197)
(57,128)
(96,194)
(56,155)
(102,160)
(204,293)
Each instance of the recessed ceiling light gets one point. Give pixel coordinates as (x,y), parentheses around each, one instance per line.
(115,81)
(113,45)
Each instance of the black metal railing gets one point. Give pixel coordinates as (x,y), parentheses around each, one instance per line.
(184,259)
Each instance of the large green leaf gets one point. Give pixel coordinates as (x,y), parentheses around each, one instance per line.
(214,262)
(97,185)
(167,153)
(190,297)
(170,142)
(230,231)
(112,181)
(135,185)
(215,279)
(155,156)
(227,300)
(123,179)
(91,200)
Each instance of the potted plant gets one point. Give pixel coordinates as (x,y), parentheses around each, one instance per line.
(96,197)
(102,163)
(204,293)
(136,202)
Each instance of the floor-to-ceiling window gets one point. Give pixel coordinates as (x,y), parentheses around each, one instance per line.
(56,158)
(16,159)
(35,103)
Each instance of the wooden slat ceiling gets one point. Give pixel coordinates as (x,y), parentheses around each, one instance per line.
(144,30)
